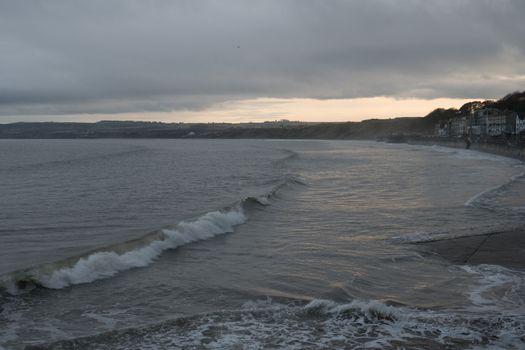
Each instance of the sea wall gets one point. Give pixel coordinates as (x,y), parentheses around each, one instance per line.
(506,150)
(502,150)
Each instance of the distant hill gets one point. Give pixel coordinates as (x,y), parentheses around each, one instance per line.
(436,116)
(367,129)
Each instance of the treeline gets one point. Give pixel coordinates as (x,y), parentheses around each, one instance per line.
(514,101)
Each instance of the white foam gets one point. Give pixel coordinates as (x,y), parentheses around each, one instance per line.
(497,287)
(372,308)
(11,325)
(106,264)
(263,200)
(322,324)
(107,318)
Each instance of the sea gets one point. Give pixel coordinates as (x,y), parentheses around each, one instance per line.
(253,244)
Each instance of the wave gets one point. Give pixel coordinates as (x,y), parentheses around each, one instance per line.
(141,252)
(291,155)
(107,263)
(482,199)
(317,324)
(496,282)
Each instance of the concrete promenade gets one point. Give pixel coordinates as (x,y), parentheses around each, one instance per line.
(498,248)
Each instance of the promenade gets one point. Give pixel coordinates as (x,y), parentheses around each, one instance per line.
(499,248)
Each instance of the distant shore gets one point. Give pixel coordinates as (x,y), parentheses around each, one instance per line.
(367,129)
(400,130)
(487,146)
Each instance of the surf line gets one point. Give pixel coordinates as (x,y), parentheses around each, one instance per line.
(107,263)
(472,201)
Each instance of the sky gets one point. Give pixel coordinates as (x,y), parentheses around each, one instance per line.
(238,60)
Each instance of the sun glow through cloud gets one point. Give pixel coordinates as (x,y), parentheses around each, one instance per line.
(267,109)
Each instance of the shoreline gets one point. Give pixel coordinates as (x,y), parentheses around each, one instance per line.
(486,147)
(504,248)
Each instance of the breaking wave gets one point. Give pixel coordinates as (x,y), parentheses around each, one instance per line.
(141,252)
(104,264)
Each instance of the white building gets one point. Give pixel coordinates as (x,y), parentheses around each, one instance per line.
(520,122)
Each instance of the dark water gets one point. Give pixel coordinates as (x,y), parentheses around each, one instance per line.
(134,244)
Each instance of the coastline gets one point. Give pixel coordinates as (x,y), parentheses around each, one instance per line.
(504,248)
(487,147)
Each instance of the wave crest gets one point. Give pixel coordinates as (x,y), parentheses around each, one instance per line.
(141,252)
(101,265)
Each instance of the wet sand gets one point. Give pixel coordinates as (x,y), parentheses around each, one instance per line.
(498,248)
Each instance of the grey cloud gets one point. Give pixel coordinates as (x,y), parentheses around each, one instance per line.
(62,57)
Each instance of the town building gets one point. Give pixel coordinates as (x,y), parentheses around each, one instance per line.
(442,129)
(478,123)
(492,122)
(496,124)
(520,122)
(482,122)
(512,117)
(458,126)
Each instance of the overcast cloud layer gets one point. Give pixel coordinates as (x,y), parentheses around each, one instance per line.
(66,57)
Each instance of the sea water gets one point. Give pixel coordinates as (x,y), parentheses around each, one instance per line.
(252,244)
